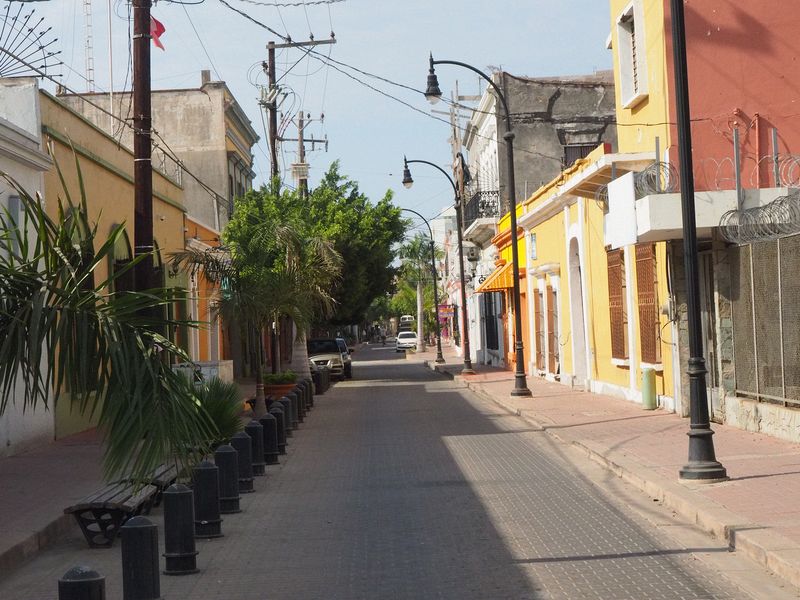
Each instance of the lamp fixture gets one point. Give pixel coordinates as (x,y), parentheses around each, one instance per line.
(407,180)
(432,92)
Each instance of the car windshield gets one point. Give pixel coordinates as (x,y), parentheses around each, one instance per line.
(322,346)
(406,334)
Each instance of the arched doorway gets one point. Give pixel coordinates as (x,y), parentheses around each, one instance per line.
(579,368)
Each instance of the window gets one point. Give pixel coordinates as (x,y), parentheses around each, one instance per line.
(647,300)
(575,152)
(552,330)
(538,309)
(618,312)
(631,55)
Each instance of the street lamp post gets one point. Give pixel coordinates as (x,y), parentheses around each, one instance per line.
(434,94)
(439,357)
(702,465)
(408,182)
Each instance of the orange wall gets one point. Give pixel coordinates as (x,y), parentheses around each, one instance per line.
(742,59)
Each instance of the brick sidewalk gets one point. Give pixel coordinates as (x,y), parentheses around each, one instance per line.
(755,511)
(36,486)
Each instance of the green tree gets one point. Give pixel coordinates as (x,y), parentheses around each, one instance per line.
(364,235)
(269,269)
(415,278)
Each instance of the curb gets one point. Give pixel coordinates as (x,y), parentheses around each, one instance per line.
(774,552)
(38,541)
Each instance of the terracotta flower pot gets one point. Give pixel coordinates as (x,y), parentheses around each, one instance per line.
(277,390)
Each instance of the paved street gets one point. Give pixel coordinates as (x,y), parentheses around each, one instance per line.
(401,484)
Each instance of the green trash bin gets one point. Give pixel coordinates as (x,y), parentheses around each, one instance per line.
(649,389)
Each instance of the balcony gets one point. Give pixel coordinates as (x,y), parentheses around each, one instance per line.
(481,213)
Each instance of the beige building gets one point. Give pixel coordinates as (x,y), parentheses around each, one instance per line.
(204,127)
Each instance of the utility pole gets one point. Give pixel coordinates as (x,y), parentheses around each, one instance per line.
(272,102)
(301,153)
(273,111)
(142,171)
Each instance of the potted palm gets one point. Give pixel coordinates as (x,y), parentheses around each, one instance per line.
(279,384)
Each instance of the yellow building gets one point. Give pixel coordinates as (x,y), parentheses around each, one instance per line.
(597,302)
(107,172)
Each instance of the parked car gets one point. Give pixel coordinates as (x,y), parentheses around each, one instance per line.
(325,352)
(406,340)
(348,361)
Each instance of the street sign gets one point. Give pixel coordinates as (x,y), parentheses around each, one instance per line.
(447,311)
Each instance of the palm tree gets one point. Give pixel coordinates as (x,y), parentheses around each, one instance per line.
(102,350)
(415,256)
(276,273)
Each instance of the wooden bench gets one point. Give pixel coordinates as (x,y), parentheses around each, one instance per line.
(162,477)
(101,514)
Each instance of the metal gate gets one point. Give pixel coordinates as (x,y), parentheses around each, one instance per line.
(765,297)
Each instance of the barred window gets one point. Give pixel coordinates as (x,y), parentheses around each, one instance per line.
(647,300)
(618,312)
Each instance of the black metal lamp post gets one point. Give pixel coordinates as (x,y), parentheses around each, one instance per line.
(439,357)
(434,94)
(408,182)
(702,465)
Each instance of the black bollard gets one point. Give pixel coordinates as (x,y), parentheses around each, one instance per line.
(82,583)
(242,444)
(256,433)
(286,405)
(294,396)
(309,397)
(207,522)
(310,386)
(293,408)
(179,548)
(141,578)
(301,398)
(227,462)
(270,426)
(277,412)
(316,379)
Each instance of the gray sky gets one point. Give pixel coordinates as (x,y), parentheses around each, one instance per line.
(368,132)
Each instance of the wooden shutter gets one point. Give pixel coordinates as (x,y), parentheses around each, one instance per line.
(539,324)
(616,304)
(647,302)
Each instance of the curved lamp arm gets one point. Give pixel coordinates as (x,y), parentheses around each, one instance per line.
(484,76)
(435,166)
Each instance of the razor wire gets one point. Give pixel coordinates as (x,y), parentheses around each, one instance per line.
(779,218)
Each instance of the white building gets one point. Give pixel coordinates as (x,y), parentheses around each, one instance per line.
(23,158)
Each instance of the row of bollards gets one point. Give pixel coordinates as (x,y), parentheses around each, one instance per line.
(191,513)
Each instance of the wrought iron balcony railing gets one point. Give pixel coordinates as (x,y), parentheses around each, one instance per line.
(482,205)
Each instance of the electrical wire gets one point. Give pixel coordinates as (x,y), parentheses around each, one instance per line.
(199,39)
(290,4)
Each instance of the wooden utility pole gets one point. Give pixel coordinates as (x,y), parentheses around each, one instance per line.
(142,171)
(273,111)
(272,104)
(301,153)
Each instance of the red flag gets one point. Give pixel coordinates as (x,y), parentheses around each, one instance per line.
(156,29)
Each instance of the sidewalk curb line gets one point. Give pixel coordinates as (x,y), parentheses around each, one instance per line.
(36,542)
(772,551)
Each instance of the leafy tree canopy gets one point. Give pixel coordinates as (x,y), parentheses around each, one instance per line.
(363,233)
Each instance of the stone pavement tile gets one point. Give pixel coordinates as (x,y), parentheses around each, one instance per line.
(411,489)
(36,486)
(764,471)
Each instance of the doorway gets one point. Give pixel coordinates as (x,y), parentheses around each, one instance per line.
(579,367)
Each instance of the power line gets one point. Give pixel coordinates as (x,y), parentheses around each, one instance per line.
(199,39)
(165,149)
(288,4)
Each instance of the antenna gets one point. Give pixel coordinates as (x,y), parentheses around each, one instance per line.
(87,17)
(23,50)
